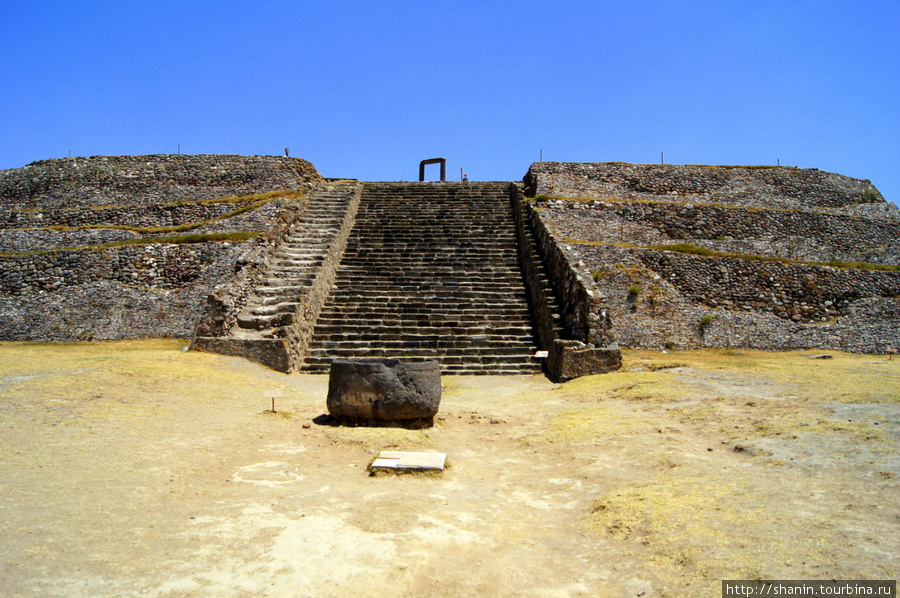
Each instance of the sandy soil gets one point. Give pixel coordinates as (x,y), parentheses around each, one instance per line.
(136,469)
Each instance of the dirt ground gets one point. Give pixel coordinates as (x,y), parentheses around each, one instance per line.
(138,469)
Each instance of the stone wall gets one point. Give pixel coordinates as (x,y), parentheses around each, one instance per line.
(744,295)
(61,277)
(695,309)
(794,234)
(578,332)
(153,180)
(800,292)
(154,266)
(173,214)
(542,289)
(124,292)
(753,186)
(582,311)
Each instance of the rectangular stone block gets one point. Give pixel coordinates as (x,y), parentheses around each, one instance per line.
(401,460)
(570,359)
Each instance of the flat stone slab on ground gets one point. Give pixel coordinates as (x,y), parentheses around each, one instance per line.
(410,461)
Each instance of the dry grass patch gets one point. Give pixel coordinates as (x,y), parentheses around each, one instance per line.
(698,526)
(591,423)
(846,378)
(698,516)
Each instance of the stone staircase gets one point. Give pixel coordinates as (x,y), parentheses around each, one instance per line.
(430,272)
(279,299)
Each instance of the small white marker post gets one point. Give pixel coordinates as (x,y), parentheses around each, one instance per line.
(271,394)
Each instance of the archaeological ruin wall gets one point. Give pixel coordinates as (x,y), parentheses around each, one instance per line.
(280,339)
(571,317)
(644,256)
(115,247)
(760,257)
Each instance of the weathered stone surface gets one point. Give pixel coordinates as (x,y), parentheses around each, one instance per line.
(379,391)
(767,258)
(147,181)
(795,234)
(570,359)
(61,279)
(279,291)
(573,321)
(272,353)
(757,186)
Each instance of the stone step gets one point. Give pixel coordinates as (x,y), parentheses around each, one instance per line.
(444,269)
(432,296)
(524,360)
(294,260)
(447,282)
(450,312)
(306,244)
(424,261)
(457,354)
(427,288)
(432,247)
(391,331)
(459,237)
(443,310)
(429,254)
(424,223)
(447,276)
(455,268)
(494,368)
(397,328)
(279,270)
(272,295)
(268,291)
(410,317)
(423,220)
(330,325)
(451,365)
(426,266)
(264,322)
(463,345)
(301,283)
(349,316)
(269,302)
(273,308)
(428,299)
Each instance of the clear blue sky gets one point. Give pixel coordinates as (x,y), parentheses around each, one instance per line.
(367,89)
